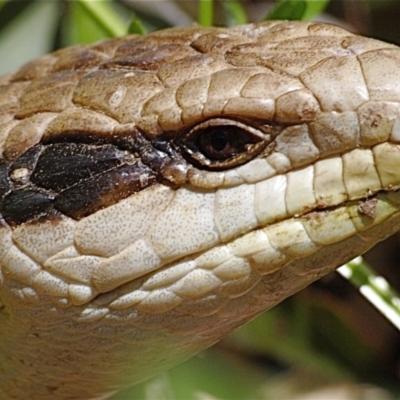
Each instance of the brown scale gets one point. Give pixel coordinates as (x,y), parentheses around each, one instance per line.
(150,59)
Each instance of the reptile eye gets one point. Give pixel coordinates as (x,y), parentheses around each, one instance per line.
(221,144)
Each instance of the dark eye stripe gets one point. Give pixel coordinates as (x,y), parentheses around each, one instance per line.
(74,179)
(62,165)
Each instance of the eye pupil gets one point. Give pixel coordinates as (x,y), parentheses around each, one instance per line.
(219,140)
(221,144)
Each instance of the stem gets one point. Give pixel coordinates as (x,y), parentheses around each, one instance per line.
(102,13)
(374,288)
(205,12)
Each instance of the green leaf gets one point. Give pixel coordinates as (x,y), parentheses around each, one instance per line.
(79,26)
(296,9)
(89,21)
(235,13)
(374,288)
(205,12)
(287,9)
(314,8)
(104,17)
(2,3)
(136,26)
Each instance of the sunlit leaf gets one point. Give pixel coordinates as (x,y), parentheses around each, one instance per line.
(314,8)
(80,27)
(235,13)
(104,17)
(206,12)
(136,26)
(296,9)
(374,288)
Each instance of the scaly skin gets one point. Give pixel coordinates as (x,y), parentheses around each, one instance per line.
(108,292)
